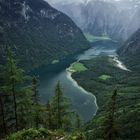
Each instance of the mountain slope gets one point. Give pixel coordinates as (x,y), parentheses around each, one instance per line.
(103,20)
(37,33)
(135,22)
(94,17)
(117,19)
(130,51)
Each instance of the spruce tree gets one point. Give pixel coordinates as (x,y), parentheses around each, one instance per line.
(61,110)
(2,118)
(110,130)
(78,122)
(48,121)
(12,78)
(25,108)
(36,100)
(59,99)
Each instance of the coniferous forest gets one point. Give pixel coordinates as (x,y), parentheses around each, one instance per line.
(21,107)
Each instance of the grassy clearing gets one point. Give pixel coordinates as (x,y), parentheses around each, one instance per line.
(78,67)
(92,38)
(105,77)
(55,61)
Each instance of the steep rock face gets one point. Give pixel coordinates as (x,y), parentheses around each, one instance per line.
(73,10)
(130,51)
(134,23)
(102,18)
(94,17)
(112,18)
(37,33)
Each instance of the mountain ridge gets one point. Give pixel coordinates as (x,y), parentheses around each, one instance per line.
(117,19)
(37,33)
(130,51)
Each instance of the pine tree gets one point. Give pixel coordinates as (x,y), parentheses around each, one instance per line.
(78,122)
(60,109)
(36,100)
(48,120)
(59,99)
(3,126)
(110,131)
(25,108)
(12,78)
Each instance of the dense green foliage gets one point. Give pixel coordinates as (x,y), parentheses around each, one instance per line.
(128,100)
(17,108)
(44,134)
(20,104)
(30,134)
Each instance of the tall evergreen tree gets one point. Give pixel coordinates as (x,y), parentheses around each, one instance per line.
(36,100)
(12,78)
(25,108)
(48,121)
(60,109)
(2,118)
(78,122)
(12,74)
(110,131)
(59,99)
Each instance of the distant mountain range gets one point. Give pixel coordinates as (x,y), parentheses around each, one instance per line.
(37,33)
(117,19)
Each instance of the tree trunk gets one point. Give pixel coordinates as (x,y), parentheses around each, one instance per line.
(3,116)
(15,103)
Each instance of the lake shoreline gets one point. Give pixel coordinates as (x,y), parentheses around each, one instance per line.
(70,71)
(83,101)
(69,76)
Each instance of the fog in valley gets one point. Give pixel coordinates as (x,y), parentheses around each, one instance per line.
(118,19)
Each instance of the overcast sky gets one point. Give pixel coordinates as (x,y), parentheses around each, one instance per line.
(56,1)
